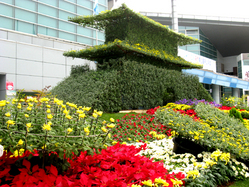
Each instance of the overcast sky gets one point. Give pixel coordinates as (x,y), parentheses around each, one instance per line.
(226,8)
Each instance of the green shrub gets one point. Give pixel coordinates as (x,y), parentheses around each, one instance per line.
(129,85)
(235,113)
(245,114)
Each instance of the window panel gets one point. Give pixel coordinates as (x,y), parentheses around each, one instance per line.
(73,1)
(193,47)
(47,10)
(100,42)
(47,31)
(84,31)
(101,36)
(64,15)
(6,10)
(67,6)
(84,40)
(102,8)
(25,27)
(66,26)
(49,2)
(43,20)
(24,15)
(86,3)
(183,47)
(83,11)
(7,1)
(27,4)
(102,2)
(191,32)
(67,36)
(181,28)
(6,23)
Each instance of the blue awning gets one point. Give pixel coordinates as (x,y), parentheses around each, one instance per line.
(208,77)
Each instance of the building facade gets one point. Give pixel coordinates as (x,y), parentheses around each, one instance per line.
(33,36)
(224,40)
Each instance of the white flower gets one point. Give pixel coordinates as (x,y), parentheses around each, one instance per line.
(1,150)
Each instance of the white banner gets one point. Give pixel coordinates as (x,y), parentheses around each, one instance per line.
(207,63)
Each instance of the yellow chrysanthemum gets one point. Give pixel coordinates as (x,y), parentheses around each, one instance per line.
(7,114)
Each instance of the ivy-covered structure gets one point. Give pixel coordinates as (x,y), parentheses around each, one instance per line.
(138,66)
(135,37)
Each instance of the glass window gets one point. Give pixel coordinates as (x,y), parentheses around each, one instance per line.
(101,8)
(49,2)
(6,10)
(64,15)
(67,6)
(246,62)
(27,4)
(181,27)
(100,42)
(101,36)
(47,10)
(43,20)
(86,3)
(25,27)
(6,23)
(83,12)
(84,40)
(191,32)
(7,1)
(192,28)
(73,1)
(84,31)
(47,31)
(67,36)
(183,47)
(182,31)
(102,2)
(66,26)
(193,47)
(25,15)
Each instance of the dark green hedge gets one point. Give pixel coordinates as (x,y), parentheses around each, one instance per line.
(131,85)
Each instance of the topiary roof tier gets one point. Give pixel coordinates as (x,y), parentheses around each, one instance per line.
(119,48)
(128,32)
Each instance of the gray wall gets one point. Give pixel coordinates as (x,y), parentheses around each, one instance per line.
(32,62)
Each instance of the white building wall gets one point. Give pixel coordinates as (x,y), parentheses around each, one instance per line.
(229,63)
(219,61)
(33,62)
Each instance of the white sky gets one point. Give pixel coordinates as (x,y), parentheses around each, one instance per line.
(225,8)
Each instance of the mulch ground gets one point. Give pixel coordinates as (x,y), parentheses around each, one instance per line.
(226,184)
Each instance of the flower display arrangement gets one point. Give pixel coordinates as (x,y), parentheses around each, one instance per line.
(136,151)
(213,128)
(47,125)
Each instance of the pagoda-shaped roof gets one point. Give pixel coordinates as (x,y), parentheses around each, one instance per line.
(128,32)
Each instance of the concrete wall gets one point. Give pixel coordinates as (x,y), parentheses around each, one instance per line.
(32,62)
(229,63)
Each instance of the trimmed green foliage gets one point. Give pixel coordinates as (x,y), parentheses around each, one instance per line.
(131,85)
(132,35)
(235,113)
(245,114)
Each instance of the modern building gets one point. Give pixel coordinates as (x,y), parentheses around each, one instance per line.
(33,36)
(35,33)
(224,48)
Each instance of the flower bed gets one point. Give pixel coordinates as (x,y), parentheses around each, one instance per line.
(147,160)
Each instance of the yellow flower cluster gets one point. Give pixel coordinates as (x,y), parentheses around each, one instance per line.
(177,106)
(193,174)
(157,136)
